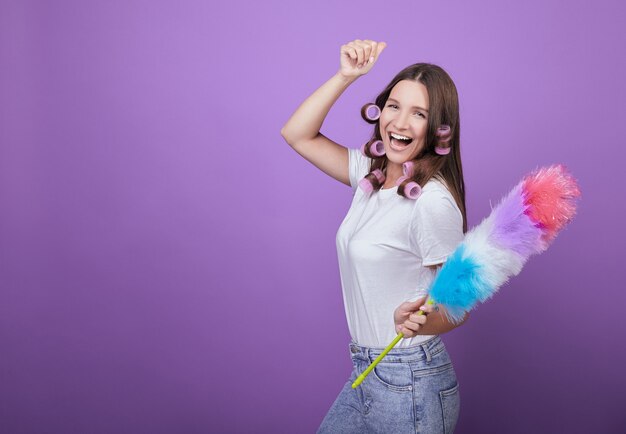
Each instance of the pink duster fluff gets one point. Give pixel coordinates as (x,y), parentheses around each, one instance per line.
(549,194)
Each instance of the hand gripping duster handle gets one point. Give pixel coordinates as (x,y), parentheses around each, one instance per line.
(524,223)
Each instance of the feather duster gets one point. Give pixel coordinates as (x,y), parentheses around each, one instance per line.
(524,223)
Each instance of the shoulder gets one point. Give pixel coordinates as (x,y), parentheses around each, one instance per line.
(436,193)
(436,205)
(436,225)
(357,158)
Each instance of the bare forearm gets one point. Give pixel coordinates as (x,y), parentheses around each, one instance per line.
(307,120)
(438,324)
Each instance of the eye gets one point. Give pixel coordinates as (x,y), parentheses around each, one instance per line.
(418,113)
(392,105)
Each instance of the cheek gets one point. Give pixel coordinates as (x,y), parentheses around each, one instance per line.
(384,118)
(420,133)
(420,144)
(422,128)
(381,126)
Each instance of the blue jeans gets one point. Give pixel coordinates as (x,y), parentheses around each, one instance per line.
(412,390)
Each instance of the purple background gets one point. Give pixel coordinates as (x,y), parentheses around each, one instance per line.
(168,262)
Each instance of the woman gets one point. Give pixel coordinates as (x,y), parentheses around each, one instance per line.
(407,215)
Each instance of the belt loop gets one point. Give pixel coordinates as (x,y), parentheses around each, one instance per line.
(353,348)
(427,353)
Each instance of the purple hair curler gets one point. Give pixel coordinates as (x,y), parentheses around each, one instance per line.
(412,190)
(370,112)
(377,148)
(407,168)
(442,151)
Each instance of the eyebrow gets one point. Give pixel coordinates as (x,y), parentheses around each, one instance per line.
(417,107)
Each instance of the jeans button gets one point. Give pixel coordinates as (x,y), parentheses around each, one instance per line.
(353,349)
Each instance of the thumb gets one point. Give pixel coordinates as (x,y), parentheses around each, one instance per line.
(411,306)
(379,49)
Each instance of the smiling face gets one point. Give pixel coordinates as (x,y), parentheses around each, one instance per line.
(404,121)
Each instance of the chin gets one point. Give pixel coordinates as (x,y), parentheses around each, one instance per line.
(397,159)
(400,157)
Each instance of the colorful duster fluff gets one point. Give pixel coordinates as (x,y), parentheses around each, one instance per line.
(524,223)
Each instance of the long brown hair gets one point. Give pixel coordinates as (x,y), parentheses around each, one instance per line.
(443,110)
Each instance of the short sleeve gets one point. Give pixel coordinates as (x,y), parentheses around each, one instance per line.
(436,227)
(358,166)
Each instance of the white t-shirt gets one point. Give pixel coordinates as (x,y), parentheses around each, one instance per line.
(384,244)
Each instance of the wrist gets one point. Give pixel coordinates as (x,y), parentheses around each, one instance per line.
(346,79)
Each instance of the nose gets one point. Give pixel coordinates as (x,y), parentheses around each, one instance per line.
(401,122)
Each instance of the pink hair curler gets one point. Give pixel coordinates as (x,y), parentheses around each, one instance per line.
(370,112)
(443,133)
(379,175)
(377,148)
(363,149)
(401,179)
(412,190)
(407,168)
(366,185)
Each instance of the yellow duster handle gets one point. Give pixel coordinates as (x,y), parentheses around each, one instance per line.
(365,373)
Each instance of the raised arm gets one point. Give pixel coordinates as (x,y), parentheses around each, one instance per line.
(302,130)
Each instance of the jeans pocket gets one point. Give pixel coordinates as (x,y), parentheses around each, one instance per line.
(450,404)
(394,376)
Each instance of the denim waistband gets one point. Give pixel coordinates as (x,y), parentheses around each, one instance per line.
(421,351)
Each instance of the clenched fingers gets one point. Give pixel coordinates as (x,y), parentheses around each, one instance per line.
(368,49)
(414,322)
(359,46)
(350,51)
(364,51)
(417,318)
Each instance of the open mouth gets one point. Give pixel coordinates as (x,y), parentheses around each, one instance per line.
(399,141)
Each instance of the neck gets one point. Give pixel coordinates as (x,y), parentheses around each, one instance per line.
(393,172)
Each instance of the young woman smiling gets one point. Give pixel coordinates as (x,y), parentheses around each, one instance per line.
(407,215)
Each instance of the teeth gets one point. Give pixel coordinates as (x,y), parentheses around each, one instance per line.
(397,136)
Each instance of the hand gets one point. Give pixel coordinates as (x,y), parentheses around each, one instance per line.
(364,53)
(406,317)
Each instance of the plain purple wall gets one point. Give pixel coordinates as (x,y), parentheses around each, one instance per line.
(168,262)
